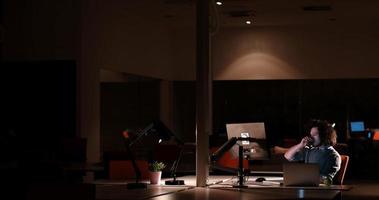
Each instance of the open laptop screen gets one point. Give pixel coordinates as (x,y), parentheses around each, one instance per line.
(301,174)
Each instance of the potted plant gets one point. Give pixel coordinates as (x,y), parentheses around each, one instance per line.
(155,169)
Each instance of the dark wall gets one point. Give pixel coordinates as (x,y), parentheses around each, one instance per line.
(38,110)
(284,105)
(129,105)
(184,111)
(39,100)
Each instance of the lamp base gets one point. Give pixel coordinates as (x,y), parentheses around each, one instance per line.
(174,182)
(136,185)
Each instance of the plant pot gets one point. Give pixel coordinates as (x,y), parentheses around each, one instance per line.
(155,177)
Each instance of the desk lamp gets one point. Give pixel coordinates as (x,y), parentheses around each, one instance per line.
(163,134)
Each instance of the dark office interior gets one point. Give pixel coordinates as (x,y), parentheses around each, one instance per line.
(92,90)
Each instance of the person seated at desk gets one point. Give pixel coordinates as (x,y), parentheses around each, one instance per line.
(318,148)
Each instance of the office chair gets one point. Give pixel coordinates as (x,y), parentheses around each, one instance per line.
(338,179)
(228,161)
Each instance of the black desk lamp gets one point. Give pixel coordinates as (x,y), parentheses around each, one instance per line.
(174,167)
(163,133)
(173,171)
(137,184)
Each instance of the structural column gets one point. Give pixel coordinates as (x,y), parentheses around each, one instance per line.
(88,81)
(203,93)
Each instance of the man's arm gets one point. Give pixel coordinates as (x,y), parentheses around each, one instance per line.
(290,154)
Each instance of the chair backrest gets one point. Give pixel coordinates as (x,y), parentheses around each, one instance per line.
(338,179)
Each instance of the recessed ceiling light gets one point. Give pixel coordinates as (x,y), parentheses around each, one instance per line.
(219,3)
(248,22)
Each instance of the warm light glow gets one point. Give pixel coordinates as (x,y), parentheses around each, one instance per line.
(160,140)
(258,66)
(255,55)
(333,125)
(219,3)
(376,136)
(248,22)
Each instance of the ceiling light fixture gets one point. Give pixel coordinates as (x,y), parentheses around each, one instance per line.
(219,3)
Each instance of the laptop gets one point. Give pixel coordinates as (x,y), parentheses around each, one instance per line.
(301,174)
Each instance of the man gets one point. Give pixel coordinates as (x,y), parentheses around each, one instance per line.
(318,148)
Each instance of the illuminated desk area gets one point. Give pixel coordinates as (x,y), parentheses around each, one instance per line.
(220,187)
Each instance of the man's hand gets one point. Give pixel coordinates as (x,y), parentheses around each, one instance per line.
(305,141)
(289,155)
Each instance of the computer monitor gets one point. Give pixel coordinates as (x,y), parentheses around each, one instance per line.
(357,126)
(259,148)
(255,130)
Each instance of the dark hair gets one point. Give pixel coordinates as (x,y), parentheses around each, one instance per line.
(328,135)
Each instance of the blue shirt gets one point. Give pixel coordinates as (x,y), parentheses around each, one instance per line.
(328,159)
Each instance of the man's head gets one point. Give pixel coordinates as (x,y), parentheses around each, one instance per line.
(322,133)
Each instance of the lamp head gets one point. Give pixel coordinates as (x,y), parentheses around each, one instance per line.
(164,133)
(125,133)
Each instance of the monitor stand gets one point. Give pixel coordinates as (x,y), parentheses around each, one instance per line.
(241,175)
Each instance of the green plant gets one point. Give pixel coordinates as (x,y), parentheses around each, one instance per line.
(156,166)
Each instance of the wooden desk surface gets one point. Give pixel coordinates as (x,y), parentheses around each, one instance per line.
(256,194)
(107,192)
(222,190)
(120,191)
(225,181)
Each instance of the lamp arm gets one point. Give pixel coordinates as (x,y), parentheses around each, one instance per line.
(135,166)
(176,163)
(141,134)
(225,147)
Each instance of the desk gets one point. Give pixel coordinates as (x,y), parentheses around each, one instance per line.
(119,191)
(254,194)
(219,189)
(228,181)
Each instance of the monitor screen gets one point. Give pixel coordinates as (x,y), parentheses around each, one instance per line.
(358,126)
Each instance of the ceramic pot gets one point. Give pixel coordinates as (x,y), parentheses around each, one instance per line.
(155,177)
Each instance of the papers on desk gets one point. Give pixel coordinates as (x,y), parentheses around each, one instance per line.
(271,183)
(264,183)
